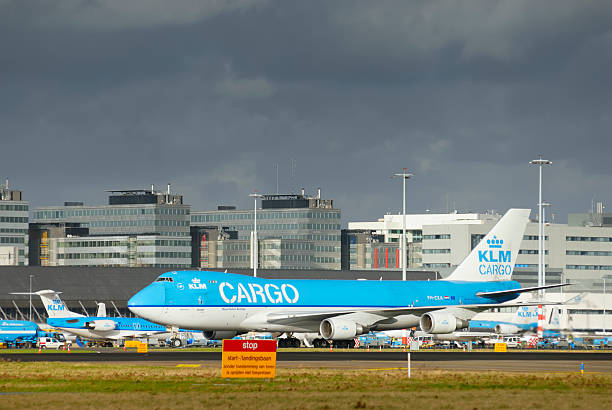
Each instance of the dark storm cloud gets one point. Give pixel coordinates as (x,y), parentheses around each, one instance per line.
(209,95)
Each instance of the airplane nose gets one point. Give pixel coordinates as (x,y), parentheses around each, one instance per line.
(152,296)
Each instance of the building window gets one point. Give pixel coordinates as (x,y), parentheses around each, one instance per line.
(437,236)
(589,253)
(588,239)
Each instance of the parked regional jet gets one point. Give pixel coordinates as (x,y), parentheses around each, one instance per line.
(524,320)
(99,327)
(340,309)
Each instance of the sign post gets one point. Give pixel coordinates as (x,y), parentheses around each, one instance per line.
(500,347)
(248,359)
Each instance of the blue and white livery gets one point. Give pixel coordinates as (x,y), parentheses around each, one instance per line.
(99,327)
(226,304)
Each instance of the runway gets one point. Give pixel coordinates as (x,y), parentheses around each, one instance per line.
(303,357)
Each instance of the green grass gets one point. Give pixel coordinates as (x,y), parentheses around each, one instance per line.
(86,385)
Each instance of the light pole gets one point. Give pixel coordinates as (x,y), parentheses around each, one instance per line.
(544,206)
(404,177)
(604,303)
(540,162)
(255,195)
(31,297)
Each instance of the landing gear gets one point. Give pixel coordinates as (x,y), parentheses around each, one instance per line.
(320,343)
(289,342)
(176,342)
(344,344)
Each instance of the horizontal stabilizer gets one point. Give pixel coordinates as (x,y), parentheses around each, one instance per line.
(500,293)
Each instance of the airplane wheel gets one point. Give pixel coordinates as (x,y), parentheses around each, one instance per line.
(295,342)
(320,343)
(176,342)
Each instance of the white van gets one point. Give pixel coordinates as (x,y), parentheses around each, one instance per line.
(48,343)
(512,341)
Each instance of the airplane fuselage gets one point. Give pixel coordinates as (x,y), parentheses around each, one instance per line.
(223,301)
(122,328)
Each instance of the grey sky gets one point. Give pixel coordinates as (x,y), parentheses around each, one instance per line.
(209,95)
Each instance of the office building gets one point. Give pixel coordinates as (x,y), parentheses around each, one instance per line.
(579,252)
(295,231)
(142,228)
(13,227)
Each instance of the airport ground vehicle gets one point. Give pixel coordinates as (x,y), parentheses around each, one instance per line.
(512,341)
(187,339)
(48,343)
(25,334)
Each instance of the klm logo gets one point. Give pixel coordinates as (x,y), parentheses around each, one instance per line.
(195,284)
(56,308)
(527,314)
(494,260)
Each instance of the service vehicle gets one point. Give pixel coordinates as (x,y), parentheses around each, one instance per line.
(512,341)
(49,343)
(25,334)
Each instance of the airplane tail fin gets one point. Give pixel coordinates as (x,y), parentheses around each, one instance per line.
(495,256)
(54,305)
(101,310)
(526,315)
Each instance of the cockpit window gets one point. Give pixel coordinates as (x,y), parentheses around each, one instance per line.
(164,279)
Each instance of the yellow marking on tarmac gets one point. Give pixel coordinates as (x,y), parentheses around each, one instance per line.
(187,365)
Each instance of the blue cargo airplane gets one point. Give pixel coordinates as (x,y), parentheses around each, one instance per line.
(225,304)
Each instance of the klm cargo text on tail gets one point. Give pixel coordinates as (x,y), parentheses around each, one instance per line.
(494,261)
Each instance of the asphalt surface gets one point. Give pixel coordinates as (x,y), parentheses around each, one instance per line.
(301,357)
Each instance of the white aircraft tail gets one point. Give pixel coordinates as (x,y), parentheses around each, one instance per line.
(101,310)
(526,315)
(495,256)
(54,305)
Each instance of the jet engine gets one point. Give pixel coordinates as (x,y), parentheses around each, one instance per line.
(340,329)
(219,335)
(437,323)
(101,325)
(503,329)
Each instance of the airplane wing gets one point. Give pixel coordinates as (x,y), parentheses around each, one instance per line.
(372,316)
(517,290)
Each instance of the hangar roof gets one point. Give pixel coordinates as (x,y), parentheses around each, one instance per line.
(119,284)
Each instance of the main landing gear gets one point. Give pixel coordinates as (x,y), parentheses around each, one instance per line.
(289,342)
(338,344)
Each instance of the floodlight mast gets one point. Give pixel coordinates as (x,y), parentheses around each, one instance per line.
(404,177)
(544,206)
(540,162)
(255,195)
